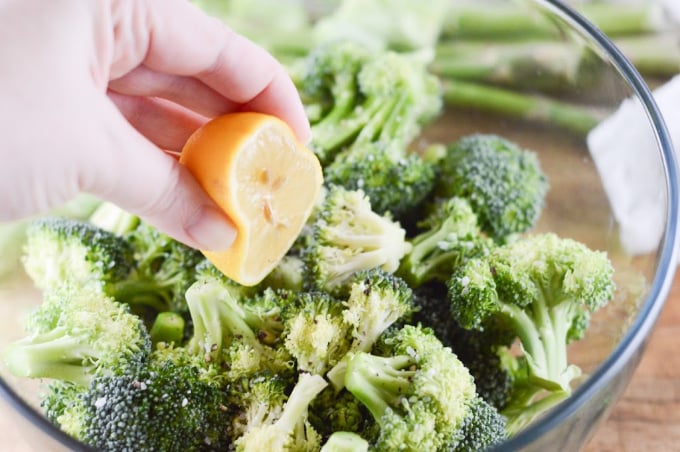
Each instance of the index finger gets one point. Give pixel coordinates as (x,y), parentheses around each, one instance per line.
(184,40)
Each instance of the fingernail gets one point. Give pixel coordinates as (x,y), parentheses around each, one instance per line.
(211,230)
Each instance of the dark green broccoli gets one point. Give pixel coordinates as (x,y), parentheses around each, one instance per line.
(76,335)
(62,250)
(420,395)
(448,236)
(333,411)
(348,236)
(394,179)
(164,270)
(289,428)
(479,351)
(504,183)
(164,406)
(542,287)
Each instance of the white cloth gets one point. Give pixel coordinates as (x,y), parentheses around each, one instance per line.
(626,155)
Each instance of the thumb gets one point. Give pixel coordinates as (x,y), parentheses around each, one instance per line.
(136,175)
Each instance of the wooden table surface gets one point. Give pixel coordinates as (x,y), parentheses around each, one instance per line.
(647,417)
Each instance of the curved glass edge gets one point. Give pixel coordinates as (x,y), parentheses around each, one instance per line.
(640,328)
(36,419)
(628,349)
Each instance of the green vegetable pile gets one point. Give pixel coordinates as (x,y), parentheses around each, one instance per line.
(416,311)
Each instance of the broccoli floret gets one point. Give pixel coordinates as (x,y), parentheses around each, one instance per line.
(333,411)
(329,85)
(449,235)
(345,442)
(315,333)
(164,270)
(227,333)
(503,183)
(483,429)
(349,237)
(164,406)
(76,335)
(256,400)
(291,430)
(479,351)
(538,286)
(394,179)
(420,395)
(361,96)
(62,250)
(377,300)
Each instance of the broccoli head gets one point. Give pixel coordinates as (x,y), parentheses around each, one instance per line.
(164,270)
(78,334)
(504,183)
(349,237)
(62,250)
(543,288)
(420,395)
(394,179)
(164,406)
(315,333)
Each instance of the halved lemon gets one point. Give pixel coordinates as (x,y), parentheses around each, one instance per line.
(263,178)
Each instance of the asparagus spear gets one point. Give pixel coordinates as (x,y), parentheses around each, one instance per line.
(574,118)
(472,20)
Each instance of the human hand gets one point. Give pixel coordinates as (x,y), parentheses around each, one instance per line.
(94,92)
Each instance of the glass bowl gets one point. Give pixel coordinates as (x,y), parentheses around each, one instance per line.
(578,206)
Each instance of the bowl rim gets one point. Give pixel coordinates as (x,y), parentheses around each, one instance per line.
(631,342)
(635,338)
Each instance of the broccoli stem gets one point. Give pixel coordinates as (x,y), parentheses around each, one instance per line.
(497,21)
(304,392)
(427,255)
(549,65)
(519,416)
(112,218)
(53,355)
(543,337)
(168,327)
(378,382)
(570,117)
